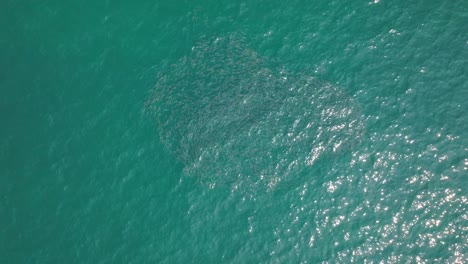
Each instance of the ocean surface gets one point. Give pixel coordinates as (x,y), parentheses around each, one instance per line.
(234,131)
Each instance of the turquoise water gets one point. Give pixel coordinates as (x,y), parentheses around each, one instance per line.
(234,132)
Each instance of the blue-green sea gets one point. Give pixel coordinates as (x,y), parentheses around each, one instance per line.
(234,131)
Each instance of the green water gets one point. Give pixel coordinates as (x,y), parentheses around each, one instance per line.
(315,132)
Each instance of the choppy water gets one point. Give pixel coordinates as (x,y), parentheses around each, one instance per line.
(240,132)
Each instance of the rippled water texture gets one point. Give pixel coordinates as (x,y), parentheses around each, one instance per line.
(279,131)
(337,188)
(232,117)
